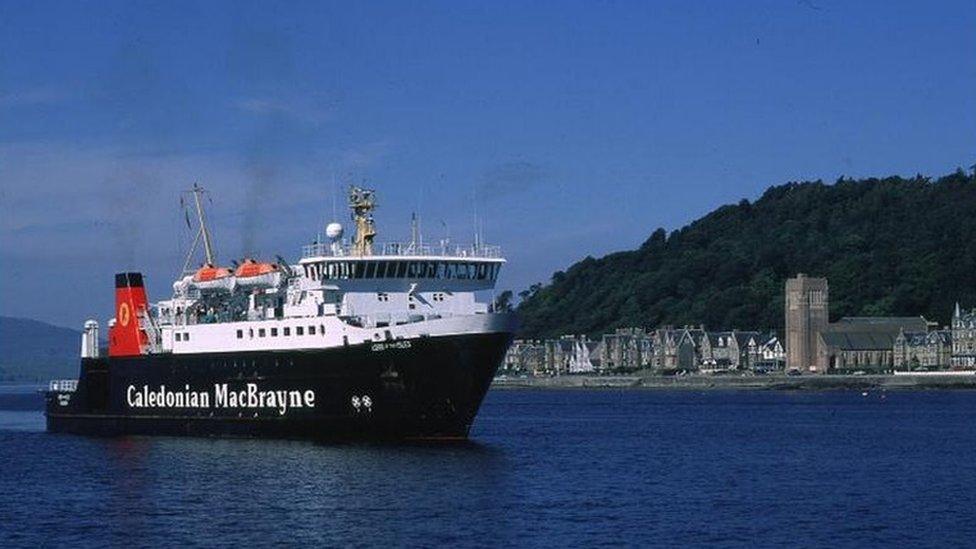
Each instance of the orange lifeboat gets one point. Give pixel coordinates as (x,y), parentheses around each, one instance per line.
(256,274)
(210,277)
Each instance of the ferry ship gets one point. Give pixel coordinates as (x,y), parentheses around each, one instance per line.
(356,340)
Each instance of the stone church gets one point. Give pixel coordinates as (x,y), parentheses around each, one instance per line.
(806,317)
(852,344)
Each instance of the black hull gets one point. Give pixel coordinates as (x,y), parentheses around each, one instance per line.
(426,388)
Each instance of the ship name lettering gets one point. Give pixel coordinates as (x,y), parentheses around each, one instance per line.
(390,345)
(164,398)
(252,397)
(223,397)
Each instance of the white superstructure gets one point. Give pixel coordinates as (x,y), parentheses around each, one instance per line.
(339,293)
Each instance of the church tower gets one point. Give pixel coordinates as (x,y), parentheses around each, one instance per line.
(806,317)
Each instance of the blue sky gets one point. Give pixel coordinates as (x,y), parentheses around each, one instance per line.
(571,128)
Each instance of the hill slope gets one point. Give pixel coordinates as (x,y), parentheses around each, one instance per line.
(35,351)
(888,247)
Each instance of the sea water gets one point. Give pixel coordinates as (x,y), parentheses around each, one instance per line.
(542,468)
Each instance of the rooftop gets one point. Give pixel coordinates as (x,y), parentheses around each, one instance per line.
(865,333)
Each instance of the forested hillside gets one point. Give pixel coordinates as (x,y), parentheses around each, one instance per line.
(889,246)
(36,351)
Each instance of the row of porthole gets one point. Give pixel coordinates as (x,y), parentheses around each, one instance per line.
(286,331)
(383,296)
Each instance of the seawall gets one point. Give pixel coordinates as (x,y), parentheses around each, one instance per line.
(772,382)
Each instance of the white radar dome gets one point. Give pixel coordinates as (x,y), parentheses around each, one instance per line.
(333,231)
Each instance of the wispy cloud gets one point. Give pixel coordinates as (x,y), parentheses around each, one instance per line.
(363,156)
(296,110)
(508,178)
(32,97)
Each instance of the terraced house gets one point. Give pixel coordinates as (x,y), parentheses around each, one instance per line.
(963,339)
(923,351)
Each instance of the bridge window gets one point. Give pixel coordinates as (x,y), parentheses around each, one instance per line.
(370,270)
(337,270)
(179,336)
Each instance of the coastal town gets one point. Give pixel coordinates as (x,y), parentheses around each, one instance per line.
(811,345)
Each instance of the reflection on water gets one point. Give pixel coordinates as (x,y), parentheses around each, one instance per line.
(20,408)
(543,468)
(21,421)
(168,490)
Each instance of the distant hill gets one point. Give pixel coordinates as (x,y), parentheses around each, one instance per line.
(888,246)
(36,351)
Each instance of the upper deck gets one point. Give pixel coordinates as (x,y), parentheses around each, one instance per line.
(390,250)
(403,267)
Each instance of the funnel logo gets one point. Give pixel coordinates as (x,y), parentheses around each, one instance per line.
(124,314)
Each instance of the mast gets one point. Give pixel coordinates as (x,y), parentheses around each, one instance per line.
(207,244)
(201,231)
(363,202)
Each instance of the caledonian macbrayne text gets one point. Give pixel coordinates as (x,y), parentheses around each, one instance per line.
(222,396)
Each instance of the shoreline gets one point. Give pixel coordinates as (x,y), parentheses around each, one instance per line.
(741,383)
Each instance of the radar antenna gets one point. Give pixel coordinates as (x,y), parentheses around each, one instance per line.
(362,202)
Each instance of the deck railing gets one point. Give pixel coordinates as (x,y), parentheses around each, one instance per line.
(481,251)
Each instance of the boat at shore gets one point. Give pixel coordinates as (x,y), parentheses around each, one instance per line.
(355,340)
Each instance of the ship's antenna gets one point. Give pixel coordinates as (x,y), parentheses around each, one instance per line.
(475,192)
(420,226)
(484,225)
(446,240)
(207,244)
(335,215)
(413,231)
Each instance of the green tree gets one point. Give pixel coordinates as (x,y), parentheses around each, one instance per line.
(891,246)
